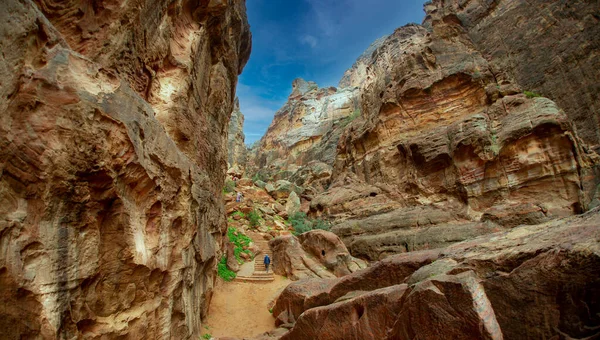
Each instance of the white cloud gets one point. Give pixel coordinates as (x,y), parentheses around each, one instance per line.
(308,39)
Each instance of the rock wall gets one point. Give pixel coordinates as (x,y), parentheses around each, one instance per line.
(549,47)
(236,148)
(449,147)
(112,160)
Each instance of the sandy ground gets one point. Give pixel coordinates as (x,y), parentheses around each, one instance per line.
(240,309)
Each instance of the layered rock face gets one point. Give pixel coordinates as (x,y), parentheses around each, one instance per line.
(112,160)
(236,148)
(550,47)
(307,127)
(530,282)
(448,148)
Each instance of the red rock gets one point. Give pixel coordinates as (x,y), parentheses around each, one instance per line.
(111,171)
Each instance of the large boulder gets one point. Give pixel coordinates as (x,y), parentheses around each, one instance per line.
(540,281)
(292,205)
(330,251)
(300,296)
(316,253)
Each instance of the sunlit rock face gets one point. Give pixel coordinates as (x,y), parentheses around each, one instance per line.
(356,75)
(550,47)
(236,149)
(448,147)
(112,157)
(307,127)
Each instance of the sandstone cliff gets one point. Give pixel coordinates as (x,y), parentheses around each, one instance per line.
(112,160)
(356,75)
(447,146)
(549,47)
(236,148)
(306,128)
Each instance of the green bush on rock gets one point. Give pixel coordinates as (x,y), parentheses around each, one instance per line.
(239,241)
(302,223)
(224,272)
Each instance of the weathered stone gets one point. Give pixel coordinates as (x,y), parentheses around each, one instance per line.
(293,204)
(540,281)
(330,251)
(303,295)
(370,315)
(316,253)
(282,189)
(442,131)
(236,148)
(306,128)
(112,162)
(232,262)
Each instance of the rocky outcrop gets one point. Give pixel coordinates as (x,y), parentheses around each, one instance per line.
(306,128)
(356,75)
(548,47)
(112,160)
(446,146)
(236,148)
(316,253)
(530,282)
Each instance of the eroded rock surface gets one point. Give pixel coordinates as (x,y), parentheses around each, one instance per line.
(236,148)
(306,128)
(548,47)
(530,282)
(112,159)
(316,253)
(447,145)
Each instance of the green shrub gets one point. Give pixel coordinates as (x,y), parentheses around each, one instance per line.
(239,241)
(531,94)
(322,224)
(239,213)
(254,218)
(223,271)
(229,186)
(302,223)
(207,336)
(347,120)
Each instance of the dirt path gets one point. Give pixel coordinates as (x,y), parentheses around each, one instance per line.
(239,309)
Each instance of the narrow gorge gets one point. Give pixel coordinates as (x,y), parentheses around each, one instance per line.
(447,187)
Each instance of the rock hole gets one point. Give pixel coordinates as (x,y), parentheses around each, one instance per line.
(373,194)
(360,310)
(85,325)
(322,252)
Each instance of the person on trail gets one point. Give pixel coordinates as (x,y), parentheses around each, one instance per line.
(267,262)
(238,197)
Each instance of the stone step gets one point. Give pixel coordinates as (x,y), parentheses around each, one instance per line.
(254,279)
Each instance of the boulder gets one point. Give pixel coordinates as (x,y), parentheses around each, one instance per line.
(260,184)
(293,204)
(540,281)
(371,314)
(290,260)
(330,251)
(282,189)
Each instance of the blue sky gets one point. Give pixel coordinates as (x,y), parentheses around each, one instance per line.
(313,39)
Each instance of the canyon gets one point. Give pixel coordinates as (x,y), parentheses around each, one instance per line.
(453,172)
